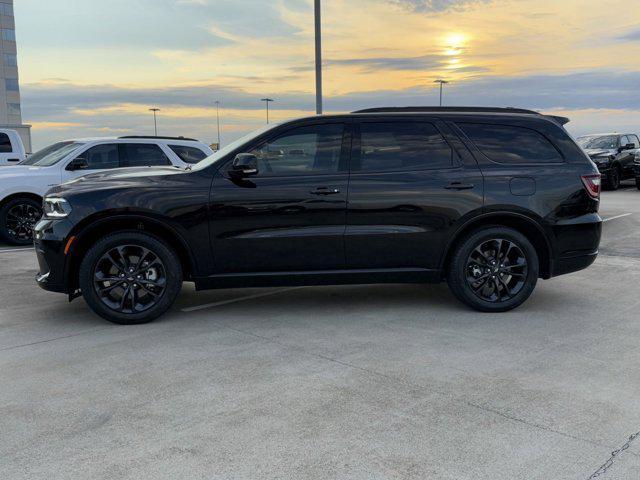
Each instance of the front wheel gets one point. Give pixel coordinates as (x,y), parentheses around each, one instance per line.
(613,182)
(494,270)
(130,278)
(17,219)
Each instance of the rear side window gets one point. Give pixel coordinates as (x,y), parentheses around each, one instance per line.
(188,154)
(143,155)
(5,143)
(102,157)
(511,145)
(402,146)
(634,139)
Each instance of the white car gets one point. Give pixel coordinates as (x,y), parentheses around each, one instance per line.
(12,150)
(23,186)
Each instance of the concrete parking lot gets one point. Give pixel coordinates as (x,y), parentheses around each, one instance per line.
(358,382)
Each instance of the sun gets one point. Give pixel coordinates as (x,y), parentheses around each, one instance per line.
(454,43)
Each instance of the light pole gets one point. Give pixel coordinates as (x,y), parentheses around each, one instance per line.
(155,120)
(267,101)
(217,102)
(318,21)
(441,82)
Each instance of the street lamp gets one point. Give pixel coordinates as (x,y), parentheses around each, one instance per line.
(267,101)
(217,102)
(441,82)
(318,22)
(155,120)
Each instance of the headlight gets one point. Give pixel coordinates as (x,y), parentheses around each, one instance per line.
(56,207)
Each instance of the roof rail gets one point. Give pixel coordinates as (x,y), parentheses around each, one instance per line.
(158,138)
(447,109)
(560,120)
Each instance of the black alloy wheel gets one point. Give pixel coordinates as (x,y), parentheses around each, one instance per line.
(130,277)
(494,269)
(18,217)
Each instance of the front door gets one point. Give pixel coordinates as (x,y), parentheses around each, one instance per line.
(408,188)
(290,216)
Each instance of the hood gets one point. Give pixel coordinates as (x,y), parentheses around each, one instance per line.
(119,178)
(599,152)
(18,170)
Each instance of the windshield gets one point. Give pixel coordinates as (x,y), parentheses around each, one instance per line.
(52,154)
(608,142)
(210,160)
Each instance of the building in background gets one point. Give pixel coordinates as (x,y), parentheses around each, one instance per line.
(10,108)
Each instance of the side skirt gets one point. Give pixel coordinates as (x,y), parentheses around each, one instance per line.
(318,277)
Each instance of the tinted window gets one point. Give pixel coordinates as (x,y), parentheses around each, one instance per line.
(507,144)
(188,154)
(102,157)
(402,146)
(302,151)
(623,141)
(5,143)
(143,155)
(634,139)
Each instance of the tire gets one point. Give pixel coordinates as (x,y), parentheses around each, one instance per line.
(17,219)
(613,180)
(516,279)
(130,278)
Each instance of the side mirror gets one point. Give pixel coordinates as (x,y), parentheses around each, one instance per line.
(244,165)
(629,146)
(78,163)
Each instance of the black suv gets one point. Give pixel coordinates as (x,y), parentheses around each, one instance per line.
(488,199)
(614,155)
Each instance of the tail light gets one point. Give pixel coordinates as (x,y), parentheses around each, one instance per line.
(592,183)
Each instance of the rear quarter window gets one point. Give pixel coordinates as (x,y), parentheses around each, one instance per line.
(510,144)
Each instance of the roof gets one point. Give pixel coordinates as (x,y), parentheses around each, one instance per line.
(130,137)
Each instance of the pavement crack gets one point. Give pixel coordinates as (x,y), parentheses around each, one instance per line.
(607,465)
(14,347)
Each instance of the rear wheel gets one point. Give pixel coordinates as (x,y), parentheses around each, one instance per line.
(613,181)
(494,270)
(130,278)
(17,219)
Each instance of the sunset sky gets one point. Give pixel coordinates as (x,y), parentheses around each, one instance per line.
(95,67)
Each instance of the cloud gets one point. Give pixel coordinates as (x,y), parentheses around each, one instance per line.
(631,36)
(436,5)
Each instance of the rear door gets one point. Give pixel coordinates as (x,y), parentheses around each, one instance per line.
(409,186)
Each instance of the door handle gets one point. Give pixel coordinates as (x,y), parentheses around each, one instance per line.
(13,159)
(459,186)
(324,191)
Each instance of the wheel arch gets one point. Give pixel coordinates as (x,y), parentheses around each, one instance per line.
(520,222)
(94,228)
(12,196)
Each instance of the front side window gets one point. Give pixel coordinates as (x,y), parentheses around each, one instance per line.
(143,155)
(188,154)
(52,154)
(510,144)
(402,146)
(302,151)
(102,157)
(5,143)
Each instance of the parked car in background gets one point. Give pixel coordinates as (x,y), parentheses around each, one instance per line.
(23,186)
(12,150)
(488,199)
(636,165)
(614,154)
